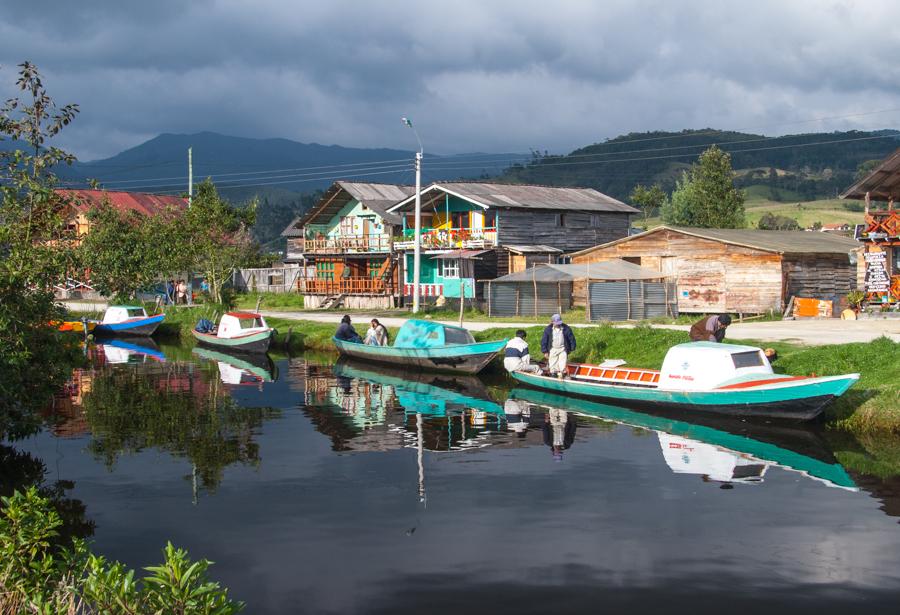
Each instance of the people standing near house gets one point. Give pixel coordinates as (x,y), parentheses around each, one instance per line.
(170,292)
(710,329)
(516,356)
(377,335)
(346,333)
(181,292)
(556,344)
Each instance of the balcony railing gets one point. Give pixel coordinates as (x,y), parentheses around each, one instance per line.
(882,225)
(450,238)
(342,286)
(339,245)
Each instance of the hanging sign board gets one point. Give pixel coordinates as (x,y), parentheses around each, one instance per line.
(877,278)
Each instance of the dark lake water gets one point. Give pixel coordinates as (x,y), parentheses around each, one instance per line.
(322,488)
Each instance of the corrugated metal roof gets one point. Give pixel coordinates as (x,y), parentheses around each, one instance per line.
(882,184)
(139,202)
(614,269)
(781,242)
(522,197)
(377,197)
(537,249)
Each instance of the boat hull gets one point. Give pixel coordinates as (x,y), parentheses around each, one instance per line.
(799,400)
(465,358)
(76,326)
(140,327)
(255,342)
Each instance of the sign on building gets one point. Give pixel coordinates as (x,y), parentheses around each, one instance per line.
(877,278)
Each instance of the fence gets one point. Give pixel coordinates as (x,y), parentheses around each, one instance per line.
(631,300)
(528,298)
(342,286)
(274,280)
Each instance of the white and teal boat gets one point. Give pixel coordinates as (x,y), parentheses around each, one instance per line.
(238,332)
(422,344)
(702,376)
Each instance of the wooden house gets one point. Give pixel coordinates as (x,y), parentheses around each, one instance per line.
(473,231)
(81,202)
(880,233)
(740,270)
(345,246)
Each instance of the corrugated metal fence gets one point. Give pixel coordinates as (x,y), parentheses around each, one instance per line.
(631,300)
(518,298)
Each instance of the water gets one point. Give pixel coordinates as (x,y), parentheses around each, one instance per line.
(348,489)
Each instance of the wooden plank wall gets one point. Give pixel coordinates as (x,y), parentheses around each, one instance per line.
(530,227)
(819,276)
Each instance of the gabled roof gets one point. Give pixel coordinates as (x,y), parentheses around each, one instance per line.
(614,269)
(377,197)
(139,202)
(882,184)
(516,196)
(779,242)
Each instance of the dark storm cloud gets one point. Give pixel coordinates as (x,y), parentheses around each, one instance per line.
(489,76)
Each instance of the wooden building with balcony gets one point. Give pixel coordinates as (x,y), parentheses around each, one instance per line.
(880,232)
(473,231)
(344,245)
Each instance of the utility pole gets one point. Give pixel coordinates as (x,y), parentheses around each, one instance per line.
(190,176)
(417,248)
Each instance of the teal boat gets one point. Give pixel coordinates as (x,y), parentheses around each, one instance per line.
(422,344)
(792,449)
(424,393)
(706,377)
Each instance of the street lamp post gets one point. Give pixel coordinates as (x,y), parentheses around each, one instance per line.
(417,248)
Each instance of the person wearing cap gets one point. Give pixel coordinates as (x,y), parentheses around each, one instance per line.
(710,329)
(556,344)
(516,356)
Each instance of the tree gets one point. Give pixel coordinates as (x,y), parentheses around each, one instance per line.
(35,253)
(649,200)
(771,222)
(216,237)
(121,250)
(705,196)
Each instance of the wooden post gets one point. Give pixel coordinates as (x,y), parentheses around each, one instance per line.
(628,298)
(534,283)
(462,300)
(489,298)
(518,292)
(287,339)
(258,301)
(559,296)
(868,202)
(587,298)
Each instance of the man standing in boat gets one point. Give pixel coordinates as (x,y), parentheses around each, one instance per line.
(516,356)
(346,332)
(556,344)
(711,329)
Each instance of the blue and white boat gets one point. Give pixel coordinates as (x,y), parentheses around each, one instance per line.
(127,320)
(429,345)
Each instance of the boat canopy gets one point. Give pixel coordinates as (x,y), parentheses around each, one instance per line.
(239,323)
(426,334)
(121,313)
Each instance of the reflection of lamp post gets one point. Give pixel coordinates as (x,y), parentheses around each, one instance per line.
(417,250)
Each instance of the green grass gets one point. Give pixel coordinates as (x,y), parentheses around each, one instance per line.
(270,301)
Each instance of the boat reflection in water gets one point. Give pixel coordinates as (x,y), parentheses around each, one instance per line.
(244,370)
(717,449)
(135,350)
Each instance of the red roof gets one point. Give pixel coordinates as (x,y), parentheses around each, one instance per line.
(140,202)
(243,314)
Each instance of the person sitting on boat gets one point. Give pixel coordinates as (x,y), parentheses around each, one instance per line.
(377,335)
(516,356)
(710,329)
(556,344)
(346,332)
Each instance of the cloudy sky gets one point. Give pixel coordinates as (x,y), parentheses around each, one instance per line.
(493,76)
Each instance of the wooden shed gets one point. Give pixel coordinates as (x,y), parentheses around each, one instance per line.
(740,270)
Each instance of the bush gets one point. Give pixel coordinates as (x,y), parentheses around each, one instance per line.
(40,573)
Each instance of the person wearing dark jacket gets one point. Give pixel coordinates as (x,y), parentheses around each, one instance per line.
(710,329)
(556,344)
(346,332)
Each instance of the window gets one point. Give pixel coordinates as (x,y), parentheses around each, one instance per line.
(460,219)
(895,261)
(448,267)
(347,225)
(747,359)
(560,219)
(325,270)
(457,336)
(136,312)
(250,323)
(373,266)
(490,219)
(595,220)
